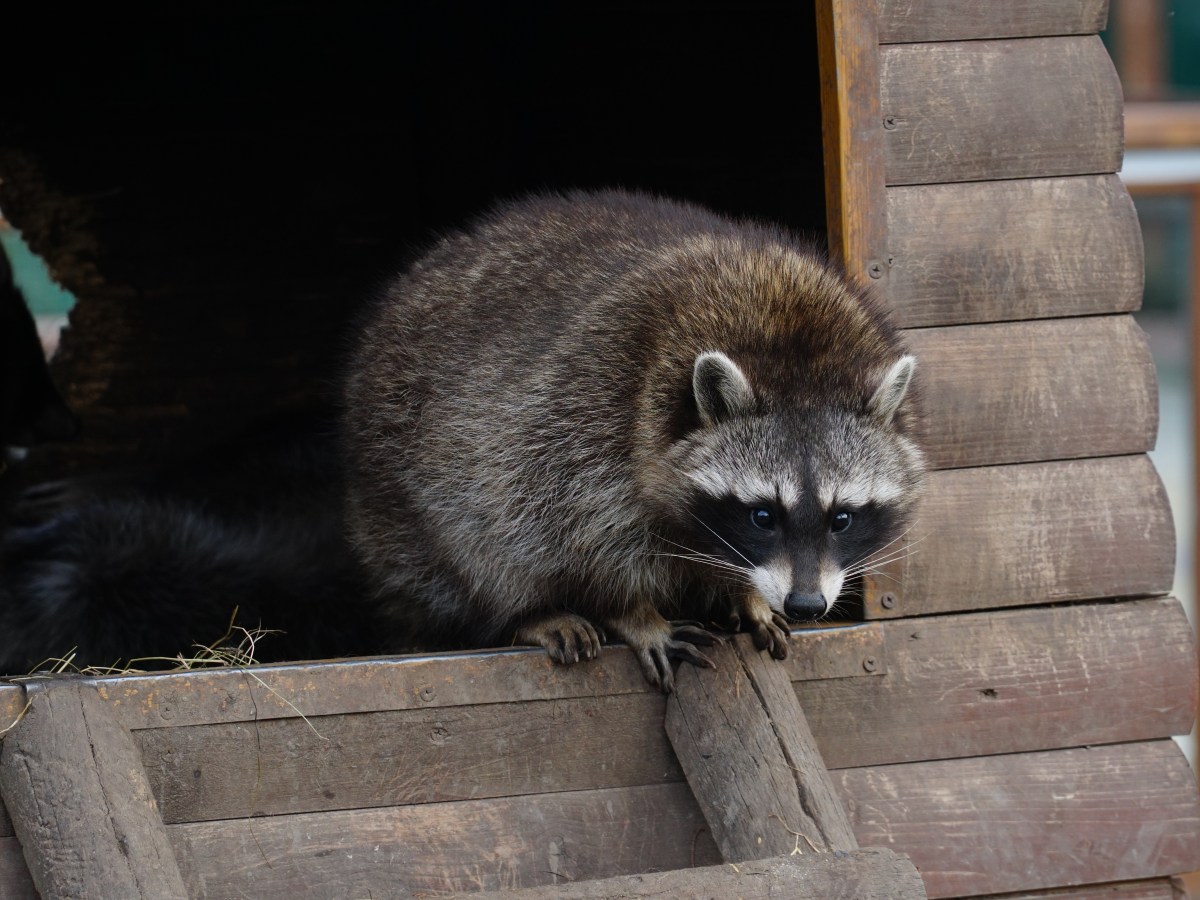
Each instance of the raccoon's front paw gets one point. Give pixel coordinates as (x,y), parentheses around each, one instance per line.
(566,637)
(766,627)
(680,642)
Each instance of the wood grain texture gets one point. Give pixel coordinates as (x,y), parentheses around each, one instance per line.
(15,881)
(854,875)
(1155,889)
(400,757)
(1008,250)
(1010,681)
(80,804)
(482,845)
(1029,391)
(906,21)
(750,759)
(432,681)
(989,824)
(1033,533)
(1013,681)
(1037,820)
(855,198)
(987,110)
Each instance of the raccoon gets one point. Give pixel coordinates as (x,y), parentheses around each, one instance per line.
(590,413)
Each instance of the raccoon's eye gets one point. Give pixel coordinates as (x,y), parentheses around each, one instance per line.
(840,521)
(762,518)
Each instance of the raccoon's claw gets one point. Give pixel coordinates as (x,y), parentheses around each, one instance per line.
(567,638)
(771,635)
(682,646)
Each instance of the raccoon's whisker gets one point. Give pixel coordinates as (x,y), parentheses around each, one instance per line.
(714,561)
(722,540)
(874,563)
(875,574)
(701,554)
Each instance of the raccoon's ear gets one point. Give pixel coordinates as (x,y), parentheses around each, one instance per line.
(720,388)
(890,393)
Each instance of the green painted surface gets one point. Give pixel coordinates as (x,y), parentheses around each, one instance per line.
(45,296)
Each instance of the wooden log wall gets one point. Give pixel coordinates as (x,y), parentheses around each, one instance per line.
(498,770)
(975,148)
(1001,718)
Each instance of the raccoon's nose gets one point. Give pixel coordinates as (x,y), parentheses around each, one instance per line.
(804,606)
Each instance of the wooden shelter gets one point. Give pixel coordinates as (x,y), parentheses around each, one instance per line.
(999,719)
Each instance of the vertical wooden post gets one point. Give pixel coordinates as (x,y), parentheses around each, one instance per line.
(852,123)
(80,802)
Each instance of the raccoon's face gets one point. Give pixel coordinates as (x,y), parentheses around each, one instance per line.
(798,509)
(797,502)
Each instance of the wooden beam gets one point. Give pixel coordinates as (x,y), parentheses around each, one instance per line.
(750,758)
(907,21)
(80,803)
(988,110)
(983,825)
(857,875)
(1016,392)
(1033,533)
(852,124)
(991,251)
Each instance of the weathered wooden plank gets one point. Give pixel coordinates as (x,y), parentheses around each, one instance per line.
(15,881)
(1008,250)
(423,682)
(1010,681)
(752,764)
(1156,889)
(1033,533)
(408,756)
(906,21)
(480,845)
(1029,391)
(1037,820)
(855,198)
(854,875)
(1013,681)
(80,804)
(985,110)
(988,824)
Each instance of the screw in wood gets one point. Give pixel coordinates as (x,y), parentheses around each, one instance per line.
(870,664)
(887,601)
(889,122)
(875,269)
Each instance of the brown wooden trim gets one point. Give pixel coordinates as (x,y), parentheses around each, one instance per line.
(79,801)
(852,125)
(905,21)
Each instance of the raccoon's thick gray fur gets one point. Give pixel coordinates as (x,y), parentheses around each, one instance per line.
(585,411)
